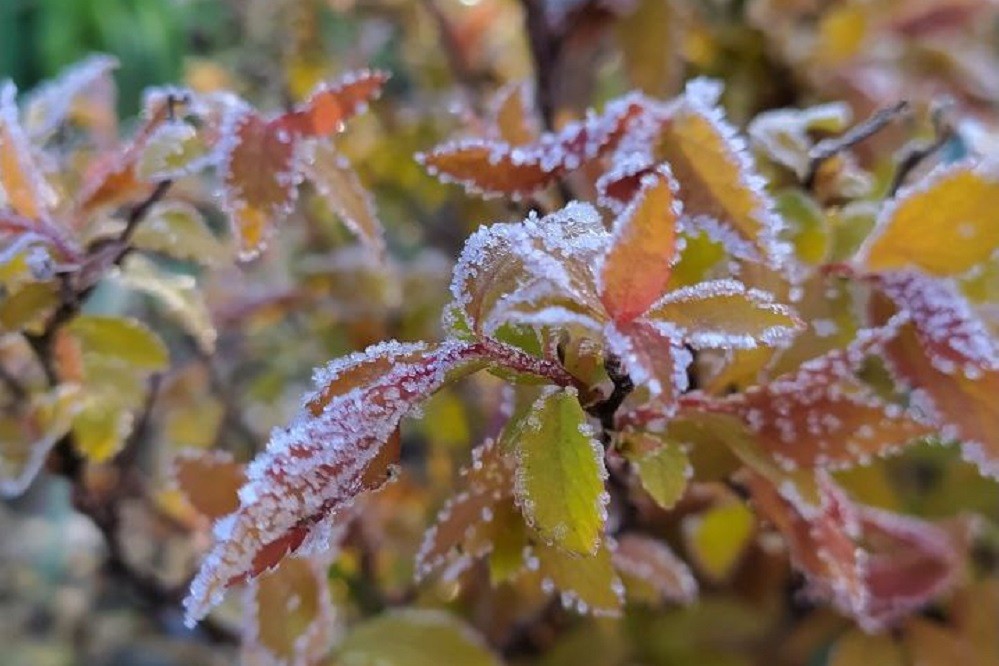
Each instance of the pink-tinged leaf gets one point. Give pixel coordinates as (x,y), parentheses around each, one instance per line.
(465,526)
(653,360)
(22,183)
(717,176)
(341,189)
(209,481)
(652,563)
(333,104)
(496,168)
(643,247)
(963,407)
(953,337)
(821,416)
(333,451)
(724,314)
(497,262)
(873,565)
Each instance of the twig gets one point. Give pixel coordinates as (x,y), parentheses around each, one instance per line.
(606,409)
(916,153)
(828,148)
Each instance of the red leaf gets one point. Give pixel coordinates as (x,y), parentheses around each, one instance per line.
(331,105)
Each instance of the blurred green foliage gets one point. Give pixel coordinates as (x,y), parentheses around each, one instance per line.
(150,38)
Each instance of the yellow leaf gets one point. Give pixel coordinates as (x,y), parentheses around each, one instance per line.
(717,538)
(856,648)
(179,230)
(560,472)
(122,338)
(663,467)
(944,225)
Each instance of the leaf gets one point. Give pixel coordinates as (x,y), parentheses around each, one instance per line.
(942,225)
(326,457)
(952,336)
(177,229)
(651,562)
(342,191)
(716,173)
(21,180)
(209,481)
(496,168)
(512,115)
(179,294)
(587,584)
(418,638)
(857,648)
(261,167)
(662,465)
(962,407)
(723,314)
(506,265)
(717,538)
(560,473)
(638,262)
(101,428)
(84,93)
(290,615)
(123,338)
(465,526)
(26,307)
(641,35)
(821,416)
(652,359)
(873,565)
(782,134)
(26,439)
(173,150)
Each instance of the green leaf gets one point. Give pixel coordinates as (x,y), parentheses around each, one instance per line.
(122,338)
(587,584)
(560,475)
(413,638)
(663,467)
(717,538)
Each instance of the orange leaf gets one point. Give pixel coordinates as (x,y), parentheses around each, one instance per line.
(209,480)
(331,105)
(638,263)
(21,180)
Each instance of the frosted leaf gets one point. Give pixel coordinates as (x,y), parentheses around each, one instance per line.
(24,186)
(954,338)
(497,168)
(782,134)
(724,314)
(653,360)
(587,585)
(716,172)
(872,565)
(643,247)
(651,562)
(461,530)
(329,454)
(31,436)
(179,230)
(501,260)
(512,117)
(84,91)
(341,189)
(633,157)
(173,150)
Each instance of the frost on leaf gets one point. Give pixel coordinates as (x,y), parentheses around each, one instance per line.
(209,481)
(523,267)
(588,585)
(560,473)
(662,466)
(724,314)
(27,436)
(652,571)
(821,416)
(497,168)
(331,452)
(943,225)
(177,229)
(21,180)
(83,93)
(962,406)
(341,189)
(466,526)
(653,360)
(512,115)
(783,134)
(261,170)
(717,177)
(643,247)
(873,565)
(953,337)
(289,614)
